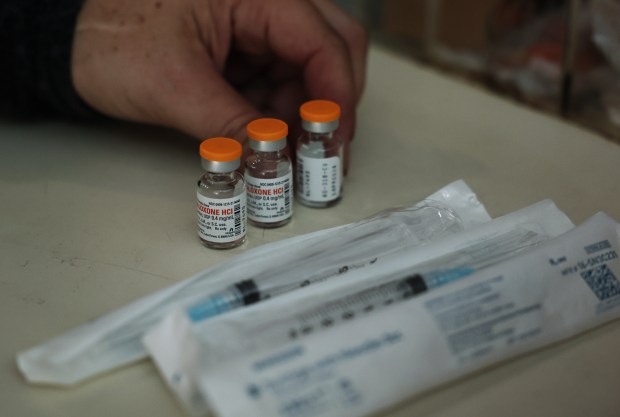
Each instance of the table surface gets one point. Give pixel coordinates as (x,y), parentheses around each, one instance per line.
(95,216)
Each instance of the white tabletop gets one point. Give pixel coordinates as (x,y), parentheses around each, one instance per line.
(95,216)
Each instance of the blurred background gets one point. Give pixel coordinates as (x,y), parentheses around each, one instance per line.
(559,56)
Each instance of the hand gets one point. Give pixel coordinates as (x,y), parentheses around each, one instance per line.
(207,67)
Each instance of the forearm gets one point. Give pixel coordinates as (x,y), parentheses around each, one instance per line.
(36,37)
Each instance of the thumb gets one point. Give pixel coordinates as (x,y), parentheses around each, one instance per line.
(200,102)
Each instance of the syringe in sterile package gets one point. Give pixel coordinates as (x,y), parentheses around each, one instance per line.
(114,339)
(398,276)
(354,247)
(360,246)
(400,286)
(553,292)
(439,272)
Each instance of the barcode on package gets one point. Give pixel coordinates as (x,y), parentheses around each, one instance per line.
(301,180)
(237,214)
(602,282)
(287,197)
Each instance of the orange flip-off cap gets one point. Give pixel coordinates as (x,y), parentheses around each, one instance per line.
(220,149)
(267,129)
(320,111)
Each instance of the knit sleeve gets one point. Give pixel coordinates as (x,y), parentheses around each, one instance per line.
(36,37)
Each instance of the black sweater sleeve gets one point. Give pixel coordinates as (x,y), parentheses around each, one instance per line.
(35,62)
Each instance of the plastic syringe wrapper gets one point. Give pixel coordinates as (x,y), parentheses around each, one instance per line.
(114,339)
(555,291)
(184,347)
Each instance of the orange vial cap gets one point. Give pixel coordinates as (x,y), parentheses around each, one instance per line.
(320,111)
(220,149)
(267,129)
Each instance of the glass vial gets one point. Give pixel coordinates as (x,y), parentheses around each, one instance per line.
(221,195)
(320,151)
(268,174)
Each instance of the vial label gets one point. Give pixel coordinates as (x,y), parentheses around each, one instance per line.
(319,179)
(221,220)
(269,200)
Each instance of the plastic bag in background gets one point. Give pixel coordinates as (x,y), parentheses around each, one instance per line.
(529,56)
(563,287)
(183,346)
(114,340)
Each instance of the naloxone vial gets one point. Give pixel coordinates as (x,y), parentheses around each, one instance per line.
(320,151)
(221,205)
(268,174)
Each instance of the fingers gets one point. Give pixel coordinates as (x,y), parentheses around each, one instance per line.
(297,32)
(353,35)
(197,100)
(162,70)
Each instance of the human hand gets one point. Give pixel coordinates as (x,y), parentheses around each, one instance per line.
(209,67)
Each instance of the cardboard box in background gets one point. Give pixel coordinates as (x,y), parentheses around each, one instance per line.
(460,24)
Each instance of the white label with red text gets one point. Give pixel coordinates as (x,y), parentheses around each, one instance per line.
(269,199)
(221,220)
(320,179)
